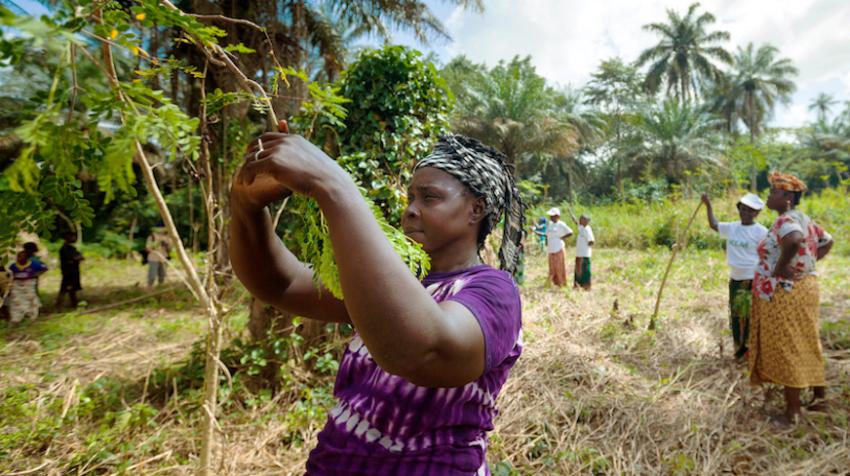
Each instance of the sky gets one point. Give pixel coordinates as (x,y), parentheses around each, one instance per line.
(567,39)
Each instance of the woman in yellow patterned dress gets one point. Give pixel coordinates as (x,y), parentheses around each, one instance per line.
(784,346)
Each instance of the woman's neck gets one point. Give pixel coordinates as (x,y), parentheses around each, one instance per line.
(446,263)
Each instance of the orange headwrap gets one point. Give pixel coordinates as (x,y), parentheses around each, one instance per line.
(787,182)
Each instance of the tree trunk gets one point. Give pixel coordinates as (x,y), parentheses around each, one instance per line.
(131,236)
(753,167)
(619,161)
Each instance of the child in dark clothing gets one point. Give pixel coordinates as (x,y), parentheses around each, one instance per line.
(69,260)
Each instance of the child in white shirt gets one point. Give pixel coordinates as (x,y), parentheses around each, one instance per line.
(742,239)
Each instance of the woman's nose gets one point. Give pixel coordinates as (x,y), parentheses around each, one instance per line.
(411,210)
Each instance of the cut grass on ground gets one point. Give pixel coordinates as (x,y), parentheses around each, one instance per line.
(594,392)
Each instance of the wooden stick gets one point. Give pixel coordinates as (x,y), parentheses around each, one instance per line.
(127,301)
(680,243)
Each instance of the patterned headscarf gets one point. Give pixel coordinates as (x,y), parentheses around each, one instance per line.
(486,172)
(787,182)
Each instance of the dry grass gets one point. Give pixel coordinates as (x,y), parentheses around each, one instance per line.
(593,392)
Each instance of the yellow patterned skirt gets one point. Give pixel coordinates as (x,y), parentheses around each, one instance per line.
(784,344)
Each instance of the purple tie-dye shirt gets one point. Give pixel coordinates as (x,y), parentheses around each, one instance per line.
(385,425)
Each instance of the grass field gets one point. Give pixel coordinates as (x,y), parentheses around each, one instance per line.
(111,392)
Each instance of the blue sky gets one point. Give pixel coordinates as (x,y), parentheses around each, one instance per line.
(567,39)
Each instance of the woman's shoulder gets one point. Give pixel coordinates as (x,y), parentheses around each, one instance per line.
(479,279)
(489,273)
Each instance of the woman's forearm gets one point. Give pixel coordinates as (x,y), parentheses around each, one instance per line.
(712,221)
(260,260)
(790,245)
(825,249)
(397,319)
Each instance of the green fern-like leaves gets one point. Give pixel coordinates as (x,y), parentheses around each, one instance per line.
(316,249)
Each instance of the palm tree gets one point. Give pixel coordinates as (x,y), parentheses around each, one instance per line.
(760,80)
(720,100)
(822,104)
(677,137)
(615,88)
(511,107)
(685,56)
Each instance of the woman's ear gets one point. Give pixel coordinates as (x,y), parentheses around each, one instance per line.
(479,210)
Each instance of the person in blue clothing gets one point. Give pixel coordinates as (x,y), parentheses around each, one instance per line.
(540,231)
(23,296)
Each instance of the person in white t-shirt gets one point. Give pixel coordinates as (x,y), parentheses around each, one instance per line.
(555,233)
(742,239)
(584,250)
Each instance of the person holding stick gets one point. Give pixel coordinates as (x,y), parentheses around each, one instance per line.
(742,238)
(417,384)
(785,346)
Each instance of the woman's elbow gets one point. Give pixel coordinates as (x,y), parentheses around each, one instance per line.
(420,369)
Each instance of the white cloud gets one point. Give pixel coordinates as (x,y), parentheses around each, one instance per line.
(568,38)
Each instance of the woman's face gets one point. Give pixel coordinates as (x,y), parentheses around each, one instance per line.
(779,200)
(22,257)
(440,211)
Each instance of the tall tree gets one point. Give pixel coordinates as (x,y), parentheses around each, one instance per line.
(822,103)
(760,79)
(685,56)
(615,88)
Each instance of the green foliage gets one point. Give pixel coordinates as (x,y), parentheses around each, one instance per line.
(402,110)
(27,423)
(677,137)
(399,105)
(316,249)
(20,212)
(837,334)
(760,80)
(511,107)
(69,130)
(686,55)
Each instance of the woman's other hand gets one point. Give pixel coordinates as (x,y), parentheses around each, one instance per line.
(785,272)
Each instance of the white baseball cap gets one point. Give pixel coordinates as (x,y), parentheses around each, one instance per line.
(553,211)
(752,200)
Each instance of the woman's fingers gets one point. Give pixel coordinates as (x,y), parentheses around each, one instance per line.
(262,165)
(246,175)
(267,140)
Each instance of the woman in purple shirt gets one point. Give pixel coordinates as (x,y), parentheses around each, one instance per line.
(417,384)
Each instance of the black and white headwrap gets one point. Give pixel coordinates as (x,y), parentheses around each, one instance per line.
(487,173)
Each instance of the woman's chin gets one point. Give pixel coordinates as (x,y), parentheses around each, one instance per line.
(416,236)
